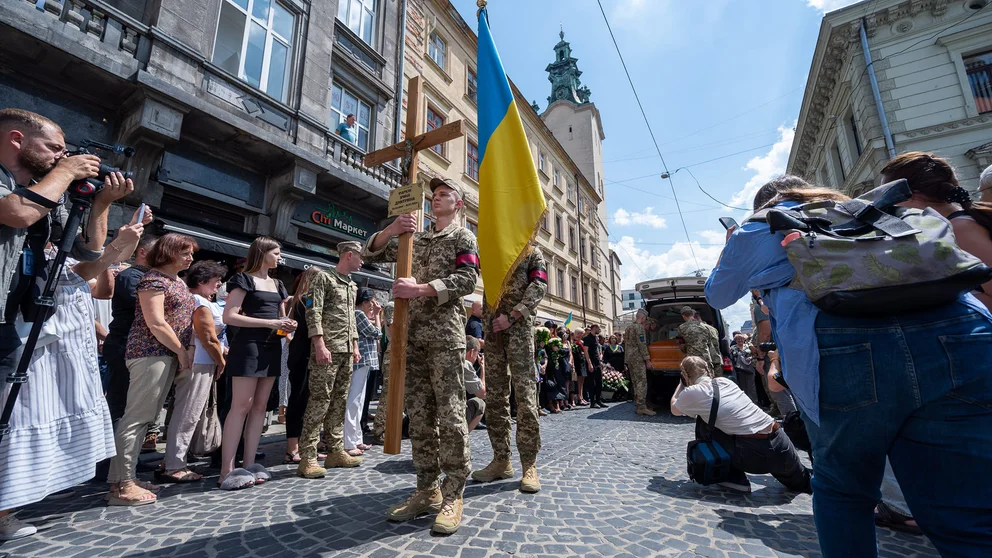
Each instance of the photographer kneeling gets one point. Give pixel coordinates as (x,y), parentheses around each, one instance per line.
(755,442)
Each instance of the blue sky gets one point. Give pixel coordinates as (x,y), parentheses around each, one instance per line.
(719,80)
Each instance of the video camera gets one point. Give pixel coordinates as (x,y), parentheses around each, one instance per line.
(768,346)
(91,186)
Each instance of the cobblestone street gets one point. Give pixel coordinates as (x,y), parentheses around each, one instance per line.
(614,484)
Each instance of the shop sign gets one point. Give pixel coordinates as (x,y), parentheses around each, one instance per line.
(341,220)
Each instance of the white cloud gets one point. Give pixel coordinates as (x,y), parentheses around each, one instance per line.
(713,236)
(625,218)
(766,167)
(829,5)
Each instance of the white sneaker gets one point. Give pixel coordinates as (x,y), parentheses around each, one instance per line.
(744,488)
(12,528)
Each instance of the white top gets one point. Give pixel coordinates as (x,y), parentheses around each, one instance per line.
(737,414)
(201,356)
(103,311)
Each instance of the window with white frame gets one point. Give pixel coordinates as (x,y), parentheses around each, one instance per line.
(255,42)
(472,85)
(555,179)
(343,103)
(575,290)
(428,213)
(541,162)
(561,282)
(571,238)
(472,160)
(558,229)
(437,49)
(474,227)
(435,121)
(359,16)
(570,189)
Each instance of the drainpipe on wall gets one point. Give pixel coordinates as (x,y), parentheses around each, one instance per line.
(401,62)
(889,144)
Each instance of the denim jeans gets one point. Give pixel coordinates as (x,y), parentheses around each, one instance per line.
(918,389)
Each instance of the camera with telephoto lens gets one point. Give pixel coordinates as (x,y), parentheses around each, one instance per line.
(90,187)
(768,346)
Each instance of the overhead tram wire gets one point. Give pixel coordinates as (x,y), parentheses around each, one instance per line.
(650,131)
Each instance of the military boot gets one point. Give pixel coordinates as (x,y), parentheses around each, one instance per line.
(341,459)
(419,503)
(530,483)
(646,412)
(309,469)
(450,517)
(497,469)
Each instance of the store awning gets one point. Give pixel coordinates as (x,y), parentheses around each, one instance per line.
(229,244)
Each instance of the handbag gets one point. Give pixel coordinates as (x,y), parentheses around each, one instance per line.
(208,433)
(708,460)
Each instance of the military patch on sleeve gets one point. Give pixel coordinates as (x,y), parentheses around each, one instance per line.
(467,259)
(642,338)
(538,273)
(307,300)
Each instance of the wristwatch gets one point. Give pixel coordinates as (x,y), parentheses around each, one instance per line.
(511,318)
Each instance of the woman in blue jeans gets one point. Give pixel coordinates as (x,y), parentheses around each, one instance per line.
(915,387)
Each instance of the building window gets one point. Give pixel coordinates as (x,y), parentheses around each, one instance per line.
(561,282)
(558,229)
(437,49)
(359,16)
(544,222)
(472,160)
(570,189)
(838,163)
(585,294)
(540,163)
(474,227)
(571,238)
(582,246)
(428,214)
(595,298)
(592,256)
(575,290)
(434,121)
(852,134)
(472,85)
(979,69)
(344,103)
(255,43)
(555,179)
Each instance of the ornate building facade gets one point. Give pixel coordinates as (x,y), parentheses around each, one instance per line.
(442,48)
(933,64)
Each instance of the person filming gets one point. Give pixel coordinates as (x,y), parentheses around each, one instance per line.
(755,442)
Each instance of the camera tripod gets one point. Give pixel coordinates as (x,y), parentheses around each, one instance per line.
(81,202)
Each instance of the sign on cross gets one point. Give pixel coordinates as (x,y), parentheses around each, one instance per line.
(408,150)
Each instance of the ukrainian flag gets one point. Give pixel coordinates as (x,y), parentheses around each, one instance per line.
(510,198)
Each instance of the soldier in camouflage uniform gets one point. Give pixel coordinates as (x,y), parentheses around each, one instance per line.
(716,359)
(510,355)
(638,360)
(445,269)
(695,337)
(330,308)
(379,424)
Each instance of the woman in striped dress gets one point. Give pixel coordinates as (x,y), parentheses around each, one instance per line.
(60,426)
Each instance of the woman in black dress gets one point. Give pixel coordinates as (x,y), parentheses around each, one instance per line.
(552,377)
(580,360)
(613,354)
(255,307)
(565,367)
(298,363)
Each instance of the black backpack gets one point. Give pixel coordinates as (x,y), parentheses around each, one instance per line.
(708,460)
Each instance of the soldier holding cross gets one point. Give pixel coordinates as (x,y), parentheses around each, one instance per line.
(445,269)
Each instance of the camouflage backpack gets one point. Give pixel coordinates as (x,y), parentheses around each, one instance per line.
(869,257)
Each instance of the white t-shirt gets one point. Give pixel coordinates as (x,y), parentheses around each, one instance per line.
(201,356)
(737,414)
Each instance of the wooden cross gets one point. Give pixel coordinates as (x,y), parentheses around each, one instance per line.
(407,150)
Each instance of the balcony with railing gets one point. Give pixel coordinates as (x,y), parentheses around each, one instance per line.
(347,156)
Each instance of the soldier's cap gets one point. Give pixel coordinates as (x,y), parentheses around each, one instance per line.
(364,295)
(641,312)
(349,246)
(437,182)
(687,311)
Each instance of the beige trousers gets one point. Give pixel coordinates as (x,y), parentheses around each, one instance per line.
(151,378)
(192,391)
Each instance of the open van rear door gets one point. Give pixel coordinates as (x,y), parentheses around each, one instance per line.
(672,288)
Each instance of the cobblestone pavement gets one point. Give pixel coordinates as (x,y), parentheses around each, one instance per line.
(613,485)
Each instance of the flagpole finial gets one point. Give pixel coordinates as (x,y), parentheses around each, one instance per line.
(481,4)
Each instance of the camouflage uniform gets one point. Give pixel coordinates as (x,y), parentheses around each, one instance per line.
(514,348)
(379,424)
(435,387)
(331,313)
(635,353)
(696,340)
(716,359)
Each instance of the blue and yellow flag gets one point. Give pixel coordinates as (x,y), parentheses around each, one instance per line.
(510,198)
(568,321)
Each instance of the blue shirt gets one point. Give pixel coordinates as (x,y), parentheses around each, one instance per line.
(755,259)
(347,132)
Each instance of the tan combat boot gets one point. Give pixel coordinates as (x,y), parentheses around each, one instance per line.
(497,469)
(419,503)
(530,483)
(341,459)
(309,469)
(450,517)
(646,412)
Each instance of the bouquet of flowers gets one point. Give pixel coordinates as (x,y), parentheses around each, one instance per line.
(541,336)
(613,379)
(554,344)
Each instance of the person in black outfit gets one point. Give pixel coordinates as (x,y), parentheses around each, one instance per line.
(473,326)
(591,342)
(298,361)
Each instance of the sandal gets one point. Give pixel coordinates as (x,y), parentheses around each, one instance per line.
(292,458)
(355,452)
(261,473)
(364,447)
(133,495)
(237,480)
(153,488)
(182,476)
(887,517)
